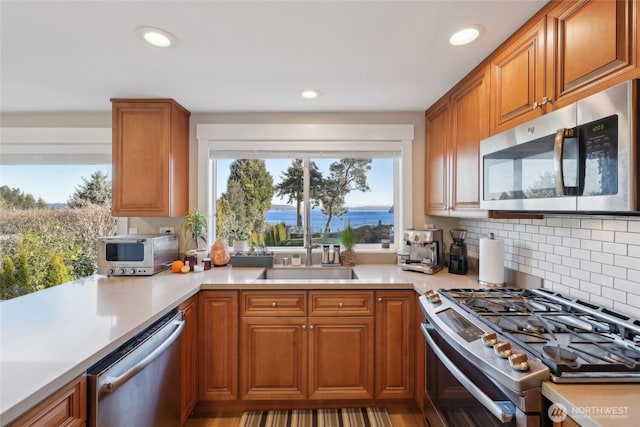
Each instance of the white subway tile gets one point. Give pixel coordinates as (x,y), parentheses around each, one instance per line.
(591,245)
(561,269)
(554,240)
(579,233)
(634,251)
(614,224)
(533,229)
(554,221)
(547,266)
(616,295)
(625,261)
(634,275)
(615,272)
(614,248)
(581,253)
(594,267)
(577,293)
(580,274)
(626,286)
(602,257)
(554,259)
(629,238)
(605,302)
(592,288)
(593,224)
(571,242)
(552,277)
(571,222)
(600,279)
(634,226)
(546,230)
(562,232)
(570,262)
(603,235)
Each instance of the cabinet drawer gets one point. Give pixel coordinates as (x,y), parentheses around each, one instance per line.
(68,407)
(341,303)
(274,303)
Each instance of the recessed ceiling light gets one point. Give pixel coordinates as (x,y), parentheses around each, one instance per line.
(466,35)
(310,94)
(156,36)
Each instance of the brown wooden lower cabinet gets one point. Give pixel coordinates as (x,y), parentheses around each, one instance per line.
(305,346)
(67,407)
(189,356)
(218,345)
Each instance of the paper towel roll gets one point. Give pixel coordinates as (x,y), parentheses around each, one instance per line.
(491,272)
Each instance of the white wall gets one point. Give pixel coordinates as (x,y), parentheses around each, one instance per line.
(593,258)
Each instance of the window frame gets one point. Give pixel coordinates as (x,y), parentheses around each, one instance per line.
(294,140)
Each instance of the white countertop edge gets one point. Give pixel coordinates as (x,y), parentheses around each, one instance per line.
(371,276)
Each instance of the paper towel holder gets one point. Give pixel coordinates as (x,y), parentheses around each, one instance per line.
(492,284)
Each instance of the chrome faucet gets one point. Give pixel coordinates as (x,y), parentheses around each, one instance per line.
(309,246)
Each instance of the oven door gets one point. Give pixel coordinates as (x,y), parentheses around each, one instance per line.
(459,395)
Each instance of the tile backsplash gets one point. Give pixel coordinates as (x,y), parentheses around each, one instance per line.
(595,259)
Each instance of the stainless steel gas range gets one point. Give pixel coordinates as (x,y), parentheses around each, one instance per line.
(492,348)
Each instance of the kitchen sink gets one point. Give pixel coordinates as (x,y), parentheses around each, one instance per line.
(307,273)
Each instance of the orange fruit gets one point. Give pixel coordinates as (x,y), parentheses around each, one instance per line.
(176,266)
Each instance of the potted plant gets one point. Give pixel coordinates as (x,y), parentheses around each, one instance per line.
(348,240)
(295,259)
(195,225)
(239,238)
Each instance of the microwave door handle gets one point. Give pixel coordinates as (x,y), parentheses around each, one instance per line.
(504,411)
(558,148)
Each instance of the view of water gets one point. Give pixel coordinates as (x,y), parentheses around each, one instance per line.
(318,220)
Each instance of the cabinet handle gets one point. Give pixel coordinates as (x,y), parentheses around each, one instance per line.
(545,100)
(311,327)
(340,304)
(304,326)
(380,299)
(535,105)
(274,304)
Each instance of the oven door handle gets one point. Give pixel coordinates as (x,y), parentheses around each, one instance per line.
(504,411)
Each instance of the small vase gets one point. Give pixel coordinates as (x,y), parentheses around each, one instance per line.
(239,246)
(348,258)
(219,253)
(296,261)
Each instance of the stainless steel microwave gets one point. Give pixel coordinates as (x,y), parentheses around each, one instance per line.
(136,254)
(583,157)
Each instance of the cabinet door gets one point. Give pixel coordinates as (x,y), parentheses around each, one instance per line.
(341,357)
(150,148)
(218,331)
(469,125)
(394,345)
(273,358)
(436,158)
(66,407)
(189,350)
(517,79)
(590,42)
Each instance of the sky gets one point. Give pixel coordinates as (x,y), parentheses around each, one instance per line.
(56,183)
(52,183)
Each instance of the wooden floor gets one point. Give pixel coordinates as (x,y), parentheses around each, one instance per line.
(398,419)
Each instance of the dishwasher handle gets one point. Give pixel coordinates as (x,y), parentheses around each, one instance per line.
(112,384)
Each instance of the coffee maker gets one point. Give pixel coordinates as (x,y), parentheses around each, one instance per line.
(458,252)
(422,251)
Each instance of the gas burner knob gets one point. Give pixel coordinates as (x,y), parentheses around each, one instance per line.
(121,271)
(132,271)
(489,339)
(434,298)
(502,349)
(519,361)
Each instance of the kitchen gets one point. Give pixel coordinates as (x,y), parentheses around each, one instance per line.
(591,257)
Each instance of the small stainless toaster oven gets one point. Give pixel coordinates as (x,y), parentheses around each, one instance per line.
(136,254)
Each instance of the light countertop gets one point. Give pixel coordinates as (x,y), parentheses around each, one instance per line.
(50,337)
(597,405)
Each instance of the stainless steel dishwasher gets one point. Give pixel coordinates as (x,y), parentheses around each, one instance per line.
(139,383)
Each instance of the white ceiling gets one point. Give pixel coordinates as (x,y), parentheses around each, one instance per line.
(244,55)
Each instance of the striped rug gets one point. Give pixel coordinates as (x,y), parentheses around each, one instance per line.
(344,417)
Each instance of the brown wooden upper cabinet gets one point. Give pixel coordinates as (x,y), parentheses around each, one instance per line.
(455,126)
(150,144)
(574,49)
